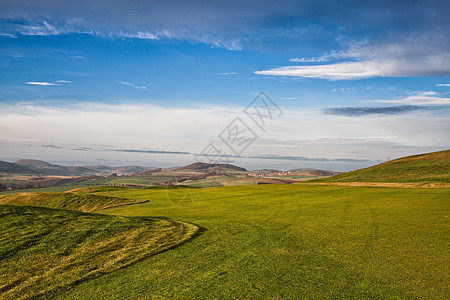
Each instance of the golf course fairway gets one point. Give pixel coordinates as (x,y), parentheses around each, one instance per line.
(295,241)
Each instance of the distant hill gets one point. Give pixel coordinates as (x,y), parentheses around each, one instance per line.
(34,166)
(205,167)
(12,168)
(265,171)
(314,172)
(428,168)
(51,169)
(107,170)
(147,172)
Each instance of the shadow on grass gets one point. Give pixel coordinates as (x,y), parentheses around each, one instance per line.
(201,230)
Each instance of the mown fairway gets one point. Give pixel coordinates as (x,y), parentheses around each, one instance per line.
(289,242)
(43,250)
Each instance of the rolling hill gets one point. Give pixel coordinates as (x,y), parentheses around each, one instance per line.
(35,167)
(205,167)
(46,168)
(315,172)
(80,200)
(12,168)
(423,168)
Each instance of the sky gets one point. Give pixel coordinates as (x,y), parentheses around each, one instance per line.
(337,85)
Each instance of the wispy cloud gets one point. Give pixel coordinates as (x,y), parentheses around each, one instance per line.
(443,84)
(40,83)
(152,151)
(10,35)
(311,59)
(365,111)
(51,146)
(418,98)
(132,85)
(47,28)
(420,55)
(45,83)
(137,35)
(43,29)
(302,158)
(227,73)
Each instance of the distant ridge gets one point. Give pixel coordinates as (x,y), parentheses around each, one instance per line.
(199,166)
(315,172)
(35,167)
(12,168)
(51,169)
(427,168)
(147,172)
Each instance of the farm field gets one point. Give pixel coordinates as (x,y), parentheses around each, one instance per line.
(287,242)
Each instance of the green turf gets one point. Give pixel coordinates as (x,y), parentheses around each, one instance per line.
(204,184)
(427,168)
(45,251)
(62,188)
(289,242)
(76,200)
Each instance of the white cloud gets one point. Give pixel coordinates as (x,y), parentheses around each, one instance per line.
(143,126)
(44,83)
(312,59)
(227,73)
(10,35)
(362,69)
(138,35)
(419,98)
(40,83)
(443,84)
(426,55)
(44,29)
(70,26)
(132,85)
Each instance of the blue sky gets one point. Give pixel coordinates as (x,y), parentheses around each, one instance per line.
(154,82)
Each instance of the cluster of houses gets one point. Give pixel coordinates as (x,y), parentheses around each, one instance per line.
(261,175)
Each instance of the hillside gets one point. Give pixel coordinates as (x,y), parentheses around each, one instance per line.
(107,170)
(48,250)
(147,172)
(423,168)
(205,167)
(12,168)
(75,200)
(35,166)
(314,172)
(46,168)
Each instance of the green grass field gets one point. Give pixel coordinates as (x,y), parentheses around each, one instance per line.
(44,251)
(81,200)
(288,242)
(292,241)
(423,168)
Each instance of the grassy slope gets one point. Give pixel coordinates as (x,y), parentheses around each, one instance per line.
(76,200)
(427,168)
(290,242)
(45,250)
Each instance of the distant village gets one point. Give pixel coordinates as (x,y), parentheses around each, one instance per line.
(278,173)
